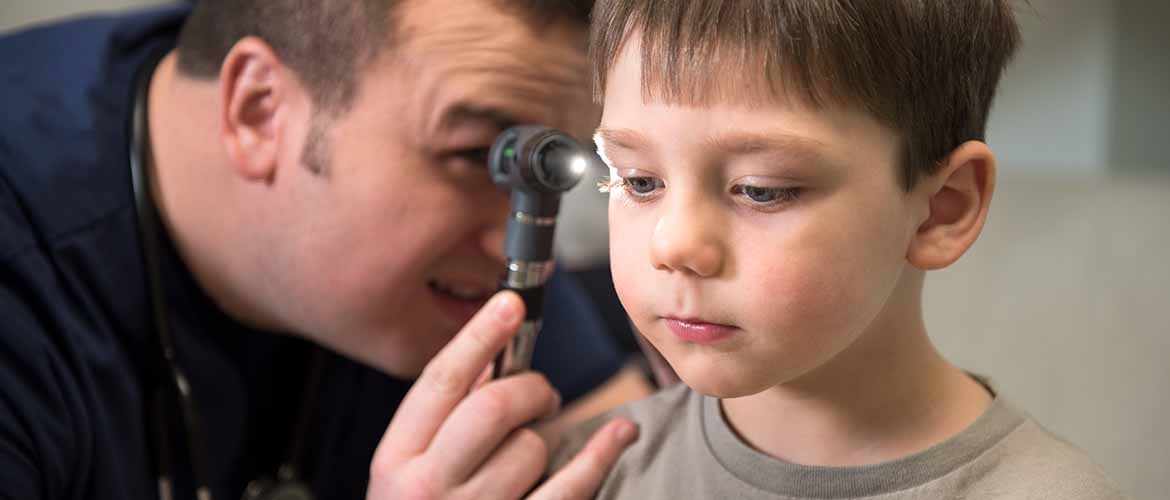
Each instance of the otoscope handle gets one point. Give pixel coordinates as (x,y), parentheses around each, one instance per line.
(530,232)
(527,279)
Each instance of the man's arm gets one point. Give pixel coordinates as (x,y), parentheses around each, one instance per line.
(35,433)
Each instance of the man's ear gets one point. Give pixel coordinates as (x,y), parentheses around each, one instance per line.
(959,196)
(255,90)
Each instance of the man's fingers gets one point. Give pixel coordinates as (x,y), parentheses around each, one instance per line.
(484,419)
(484,377)
(584,474)
(448,377)
(513,469)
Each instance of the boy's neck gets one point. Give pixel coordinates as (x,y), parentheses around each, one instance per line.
(889,395)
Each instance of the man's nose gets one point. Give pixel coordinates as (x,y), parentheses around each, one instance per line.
(686,239)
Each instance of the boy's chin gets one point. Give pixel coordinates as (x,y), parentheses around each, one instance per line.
(711,379)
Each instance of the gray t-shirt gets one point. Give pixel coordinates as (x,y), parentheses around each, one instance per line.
(686,450)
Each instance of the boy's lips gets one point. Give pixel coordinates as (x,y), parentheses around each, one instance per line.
(698,331)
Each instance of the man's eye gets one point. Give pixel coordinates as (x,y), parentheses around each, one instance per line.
(767,195)
(475,155)
(642,186)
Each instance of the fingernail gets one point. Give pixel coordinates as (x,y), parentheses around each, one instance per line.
(627,431)
(556,401)
(504,308)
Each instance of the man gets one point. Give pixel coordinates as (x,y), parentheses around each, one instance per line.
(316,170)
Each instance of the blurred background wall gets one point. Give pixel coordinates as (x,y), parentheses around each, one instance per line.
(1088,91)
(1065,300)
(15,13)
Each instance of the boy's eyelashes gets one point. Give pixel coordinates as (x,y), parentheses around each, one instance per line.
(767,195)
(643,188)
(635,187)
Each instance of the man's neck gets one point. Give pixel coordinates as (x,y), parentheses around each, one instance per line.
(191,182)
(889,395)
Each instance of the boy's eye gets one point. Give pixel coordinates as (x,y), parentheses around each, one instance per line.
(642,186)
(767,195)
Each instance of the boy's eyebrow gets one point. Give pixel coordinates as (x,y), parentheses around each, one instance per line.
(755,143)
(737,143)
(622,138)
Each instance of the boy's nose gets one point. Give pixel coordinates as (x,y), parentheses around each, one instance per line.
(685,241)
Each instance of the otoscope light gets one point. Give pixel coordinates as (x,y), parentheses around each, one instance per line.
(578,166)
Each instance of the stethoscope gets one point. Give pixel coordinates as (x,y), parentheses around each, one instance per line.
(173,381)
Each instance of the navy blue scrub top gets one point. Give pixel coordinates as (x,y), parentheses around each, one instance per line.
(75,330)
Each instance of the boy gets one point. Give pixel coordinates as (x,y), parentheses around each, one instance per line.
(783,174)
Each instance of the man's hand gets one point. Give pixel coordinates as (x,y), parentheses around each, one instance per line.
(447,441)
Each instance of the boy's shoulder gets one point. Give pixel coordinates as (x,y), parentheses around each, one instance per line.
(656,417)
(685,448)
(1033,462)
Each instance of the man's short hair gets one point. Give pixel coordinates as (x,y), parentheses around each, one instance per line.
(928,69)
(327,43)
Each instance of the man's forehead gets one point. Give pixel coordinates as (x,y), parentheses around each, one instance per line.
(432,24)
(482,64)
(502,102)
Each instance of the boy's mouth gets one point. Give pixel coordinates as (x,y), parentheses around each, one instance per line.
(698,331)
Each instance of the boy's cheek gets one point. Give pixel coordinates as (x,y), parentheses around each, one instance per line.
(626,280)
(627,265)
(809,304)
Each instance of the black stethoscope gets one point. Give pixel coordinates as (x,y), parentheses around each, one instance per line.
(173,381)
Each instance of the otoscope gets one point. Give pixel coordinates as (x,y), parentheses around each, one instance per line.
(536,164)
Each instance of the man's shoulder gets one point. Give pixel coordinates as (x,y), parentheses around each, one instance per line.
(13,225)
(65,89)
(1032,462)
(64,67)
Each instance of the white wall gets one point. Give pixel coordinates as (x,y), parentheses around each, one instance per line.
(1089,90)
(1053,108)
(18,12)
(1141,93)
(1064,303)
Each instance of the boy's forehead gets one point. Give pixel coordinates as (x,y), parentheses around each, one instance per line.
(721,78)
(740,120)
(734,73)
(739,111)
(777,129)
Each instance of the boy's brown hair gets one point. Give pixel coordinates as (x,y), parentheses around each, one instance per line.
(926,68)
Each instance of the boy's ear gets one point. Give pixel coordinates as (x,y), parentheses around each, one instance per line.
(958,197)
(255,88)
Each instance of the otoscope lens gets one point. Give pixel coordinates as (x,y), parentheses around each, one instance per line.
(555,168)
